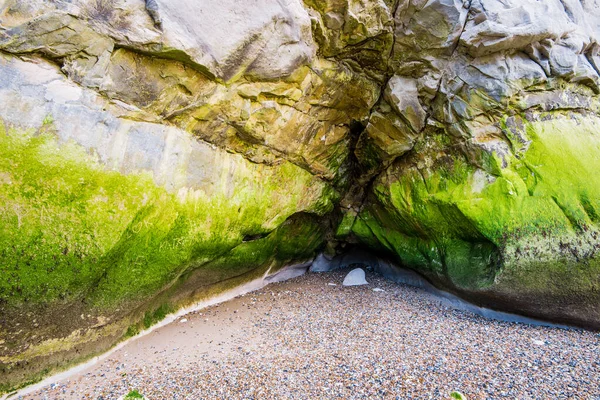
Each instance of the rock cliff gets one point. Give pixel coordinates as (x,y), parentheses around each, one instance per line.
(157,152)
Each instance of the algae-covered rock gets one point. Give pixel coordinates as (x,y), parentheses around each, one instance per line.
(483,179)
(515,235)
(103,217)
(155,152)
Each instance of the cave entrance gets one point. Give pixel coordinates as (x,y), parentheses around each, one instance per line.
(359,257)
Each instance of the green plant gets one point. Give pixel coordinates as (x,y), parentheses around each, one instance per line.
(134,394)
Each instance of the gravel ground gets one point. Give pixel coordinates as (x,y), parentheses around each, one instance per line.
(308,339)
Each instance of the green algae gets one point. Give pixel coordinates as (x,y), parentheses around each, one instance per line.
(552,189)
(345,226)
(71,229)
(7,388)
(58,215)
(152,317)
(296,239)
(480,226)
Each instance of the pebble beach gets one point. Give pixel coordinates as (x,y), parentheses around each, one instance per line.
(312,338)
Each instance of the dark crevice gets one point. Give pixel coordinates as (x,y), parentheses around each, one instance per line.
(464,27)
(590,60)
(251,238)
(530,56)
(356,130)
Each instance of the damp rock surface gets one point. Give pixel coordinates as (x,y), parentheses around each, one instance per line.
(291,340)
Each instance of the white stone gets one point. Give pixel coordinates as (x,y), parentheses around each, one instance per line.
(356,277)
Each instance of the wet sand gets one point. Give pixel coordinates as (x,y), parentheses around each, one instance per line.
(308,339)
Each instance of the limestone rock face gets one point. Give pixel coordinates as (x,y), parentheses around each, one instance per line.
(154,152)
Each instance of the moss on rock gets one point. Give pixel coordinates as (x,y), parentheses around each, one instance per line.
(70,228)
(509,232)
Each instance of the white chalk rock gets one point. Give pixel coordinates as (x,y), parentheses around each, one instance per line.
(267,39)
(356,277)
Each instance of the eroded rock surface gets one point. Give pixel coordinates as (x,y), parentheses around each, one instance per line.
(155,152)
